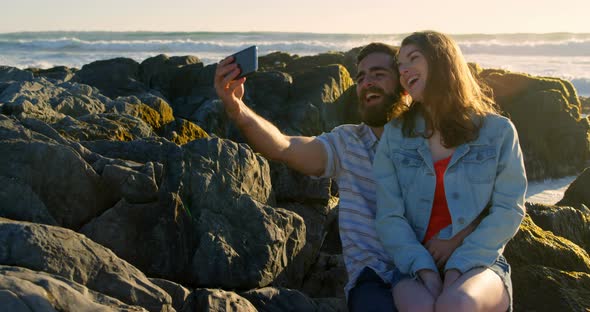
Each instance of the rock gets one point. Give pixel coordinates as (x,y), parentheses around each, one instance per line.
(154,237)
(10,74)
(210,116)
(585,104)
(114,77)
(141,151)
(19,202)
(539,288)
(43,100)
(290,185)
(275,61)
(573,224)
(108,126)
(192,80)
(508,86)
(316,224)
(159,71)
(68,187)
(217,300)
(246,245)
(267,93)
(243,242)
(271,299)
(238,172)
(55,74)
(320,60)
(327,277)
(533,246)
(25,290)
(154,110)
(30,99)
(78,100)
(545,112)
(177,292)
(135,186)
(74,257)
(182,131)
(344,111)
(577,193)
(321,86)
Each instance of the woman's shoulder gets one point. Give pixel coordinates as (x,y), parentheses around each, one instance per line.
(497,122)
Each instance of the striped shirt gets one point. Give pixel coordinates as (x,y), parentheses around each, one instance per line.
(351,149)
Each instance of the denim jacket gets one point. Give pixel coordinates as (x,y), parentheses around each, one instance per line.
(486,171)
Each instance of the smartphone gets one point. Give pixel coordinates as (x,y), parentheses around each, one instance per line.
(247,61)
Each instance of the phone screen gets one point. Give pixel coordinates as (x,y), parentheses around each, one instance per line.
(247,61)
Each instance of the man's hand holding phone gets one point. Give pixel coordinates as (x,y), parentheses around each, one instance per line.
(230,76)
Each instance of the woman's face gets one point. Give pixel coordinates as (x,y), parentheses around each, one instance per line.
(413,70)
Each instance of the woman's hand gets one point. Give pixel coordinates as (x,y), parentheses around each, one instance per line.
(431,281)
(441,249)
(230,91)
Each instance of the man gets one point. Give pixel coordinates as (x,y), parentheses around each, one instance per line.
(345,154)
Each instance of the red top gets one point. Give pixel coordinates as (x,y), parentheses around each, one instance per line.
(440,216)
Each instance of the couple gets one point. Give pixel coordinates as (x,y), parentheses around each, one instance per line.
(430,192)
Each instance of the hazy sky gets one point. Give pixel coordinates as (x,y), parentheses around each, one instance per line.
(324,16)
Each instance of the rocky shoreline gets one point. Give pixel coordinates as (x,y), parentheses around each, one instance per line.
(125,188)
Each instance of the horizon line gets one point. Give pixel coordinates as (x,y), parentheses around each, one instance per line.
(284,32)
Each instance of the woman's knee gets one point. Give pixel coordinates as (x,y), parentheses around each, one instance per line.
(456,300)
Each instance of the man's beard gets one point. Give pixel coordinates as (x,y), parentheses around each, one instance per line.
(377,115)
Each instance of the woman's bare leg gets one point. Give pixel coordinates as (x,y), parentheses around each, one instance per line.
(477,290)
(412,295)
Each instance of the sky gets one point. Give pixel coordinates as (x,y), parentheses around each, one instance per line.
(319,16)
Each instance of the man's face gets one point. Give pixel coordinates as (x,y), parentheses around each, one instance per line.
(377,88)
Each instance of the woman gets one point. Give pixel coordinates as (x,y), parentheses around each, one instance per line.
(445,162)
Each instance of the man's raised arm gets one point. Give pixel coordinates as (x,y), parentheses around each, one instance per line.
(304,154)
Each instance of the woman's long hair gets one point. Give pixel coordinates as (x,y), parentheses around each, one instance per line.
(454,102)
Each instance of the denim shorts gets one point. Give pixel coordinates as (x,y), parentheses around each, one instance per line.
(500,267)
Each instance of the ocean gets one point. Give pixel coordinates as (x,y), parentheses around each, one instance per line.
(564,55)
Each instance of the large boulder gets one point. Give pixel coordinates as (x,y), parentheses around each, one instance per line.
(152,109)
(105,126)
(217,300)
(317,218)
(182,131)
(540,288)
(320,86)
(243,242)
(20,202)
(546,113)
(55,74)
(291,186)
(65,253)
(43,100)
(159,71)
(12,74)
(114,77)
(568,222)
(585,103)
(152,236)
(23,290)
(275,61)
(577,193)
(60,178)
(533,246)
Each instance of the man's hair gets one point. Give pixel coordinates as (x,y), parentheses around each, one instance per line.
(378,47)
(456,100)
